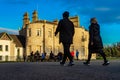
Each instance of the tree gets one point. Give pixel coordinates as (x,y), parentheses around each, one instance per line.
(112,51)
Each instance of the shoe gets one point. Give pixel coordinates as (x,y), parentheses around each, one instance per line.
(86,63)
(70,64)
(61,63)
(106,63)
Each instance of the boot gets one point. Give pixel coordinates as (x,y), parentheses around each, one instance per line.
(106,63)
(86,63)
(70,63)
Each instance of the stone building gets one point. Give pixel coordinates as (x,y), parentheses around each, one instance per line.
(39,36)
(11,47)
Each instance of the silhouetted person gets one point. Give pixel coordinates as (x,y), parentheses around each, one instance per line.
(24,57)
(52,56)
(37,56)
(95,41)
(77,54)
(59,56)
(66,29)
(43,56)
(31,56)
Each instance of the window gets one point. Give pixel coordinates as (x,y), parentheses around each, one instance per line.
(0,57)
(50,33)
(1,47)
(29,49)
(38,32)
(83,37)
(6,47)
(29,32)
(18,54)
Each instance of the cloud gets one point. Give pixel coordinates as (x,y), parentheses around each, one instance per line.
(10,31)
(105,10)
(118,17)
(102,9)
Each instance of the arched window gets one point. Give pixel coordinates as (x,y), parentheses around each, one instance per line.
(50,33)
(38,32)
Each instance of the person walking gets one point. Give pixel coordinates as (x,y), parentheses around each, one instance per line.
(59,56)
(95,42)
(43,57)
(31,57)
(72,54)
(77,54)
(66,29)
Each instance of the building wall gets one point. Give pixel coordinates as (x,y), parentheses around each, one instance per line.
(5,53)
(11,54)
(18,56)
(12,51)
(34,42)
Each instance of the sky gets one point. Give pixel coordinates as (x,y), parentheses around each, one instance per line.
(107,13)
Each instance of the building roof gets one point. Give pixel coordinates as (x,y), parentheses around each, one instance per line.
(22,40)
(44,21)
(4,33)
(18,40)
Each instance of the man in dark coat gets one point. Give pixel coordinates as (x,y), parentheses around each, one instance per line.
(66,29)
(95,41)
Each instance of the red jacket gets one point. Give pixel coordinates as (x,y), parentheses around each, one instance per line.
(72,53)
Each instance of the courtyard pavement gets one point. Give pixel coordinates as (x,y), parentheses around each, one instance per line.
(53,71)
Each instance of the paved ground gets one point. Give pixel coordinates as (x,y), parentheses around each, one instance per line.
(53,71)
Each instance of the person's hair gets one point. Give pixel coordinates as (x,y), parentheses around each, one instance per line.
(93,20)
(66,14)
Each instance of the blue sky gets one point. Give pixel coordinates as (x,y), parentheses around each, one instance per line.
(106,11)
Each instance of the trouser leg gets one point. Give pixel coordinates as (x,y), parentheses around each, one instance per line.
(89,56)
(67,52)
(64,58)
(103,55)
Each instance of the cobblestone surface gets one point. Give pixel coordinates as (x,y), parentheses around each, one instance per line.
(53,71)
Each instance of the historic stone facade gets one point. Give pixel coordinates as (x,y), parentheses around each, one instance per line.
(40,37)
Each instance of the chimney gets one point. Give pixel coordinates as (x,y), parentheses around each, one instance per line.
(26,19)
(34,16)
